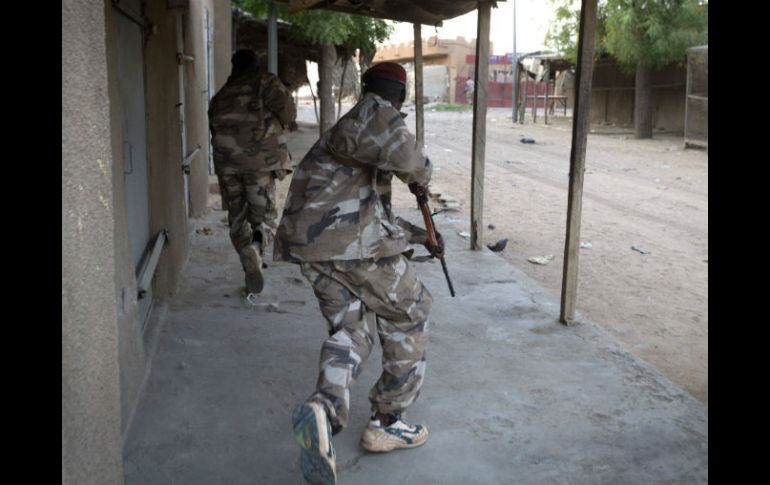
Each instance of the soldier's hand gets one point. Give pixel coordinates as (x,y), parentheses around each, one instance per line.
(437,250)
(418,190)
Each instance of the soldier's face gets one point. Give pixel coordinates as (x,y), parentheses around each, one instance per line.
(401,99)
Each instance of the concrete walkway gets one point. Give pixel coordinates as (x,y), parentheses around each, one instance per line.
(511,396)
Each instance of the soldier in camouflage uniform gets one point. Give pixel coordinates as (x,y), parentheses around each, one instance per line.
(339,226)
(247,118)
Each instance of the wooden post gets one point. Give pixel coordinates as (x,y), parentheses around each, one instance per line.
(580,125)
(526,95)
(522,102)
(515,73)
(565,101)
(534,103)
(480,125)
(272,39)
(418,93)
(687,91)
(547,81)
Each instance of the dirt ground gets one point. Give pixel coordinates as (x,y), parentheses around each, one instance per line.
(649,194)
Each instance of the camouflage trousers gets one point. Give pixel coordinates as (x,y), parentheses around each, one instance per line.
(250,199)
(361,299)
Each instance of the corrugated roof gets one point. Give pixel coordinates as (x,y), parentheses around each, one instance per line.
(429,12)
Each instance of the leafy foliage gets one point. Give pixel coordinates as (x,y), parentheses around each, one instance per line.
(321,27)
(654,32)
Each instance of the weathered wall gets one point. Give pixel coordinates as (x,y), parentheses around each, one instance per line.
(131,350)
(197,103)
(612,96)
(105,356)
(167,205)
(223,45)
(91,444)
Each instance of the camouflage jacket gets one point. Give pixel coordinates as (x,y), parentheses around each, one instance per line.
(338,205)
(247,119)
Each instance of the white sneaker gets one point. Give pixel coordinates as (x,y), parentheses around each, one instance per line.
(399,434)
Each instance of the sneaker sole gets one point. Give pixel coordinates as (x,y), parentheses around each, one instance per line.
(252,263)
(311,436)
(254,282)
(383,443)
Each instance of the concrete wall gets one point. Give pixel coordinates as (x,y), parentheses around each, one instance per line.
(105,354)
(197,103)
(91,444)
(223,45)
(167,205)
(132,355)
(612,96)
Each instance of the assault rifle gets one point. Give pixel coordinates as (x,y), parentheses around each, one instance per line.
(421,193)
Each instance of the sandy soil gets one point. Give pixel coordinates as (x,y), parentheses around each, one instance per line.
(651,194)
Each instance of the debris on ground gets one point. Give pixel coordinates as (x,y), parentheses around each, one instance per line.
(491,226)
(498,246)
(586,245)
(448,209)
(446,202)
(541,259)
(527,140)
(268,307)
(205,230)
(638,249)
(464,234)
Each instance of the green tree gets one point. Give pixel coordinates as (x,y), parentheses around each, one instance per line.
(643,35)
(332,32)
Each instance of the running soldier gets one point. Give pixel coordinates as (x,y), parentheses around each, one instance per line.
(247,118)
(339,227)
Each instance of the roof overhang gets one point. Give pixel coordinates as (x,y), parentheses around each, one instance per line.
(429,12)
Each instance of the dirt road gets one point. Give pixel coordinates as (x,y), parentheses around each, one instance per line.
(650,194)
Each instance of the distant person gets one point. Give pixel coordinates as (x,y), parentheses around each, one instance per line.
(469,87)
(247,118)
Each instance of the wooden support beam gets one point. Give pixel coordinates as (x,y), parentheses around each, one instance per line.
(480,125)
(580,125)
(419,111)
(272,39)
(547,82)
(523,108)
(534,101)
(687,90)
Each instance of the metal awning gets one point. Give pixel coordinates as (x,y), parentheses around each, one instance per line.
(429,12)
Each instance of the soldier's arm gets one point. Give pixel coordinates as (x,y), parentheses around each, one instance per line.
(398,150)
(277,99)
